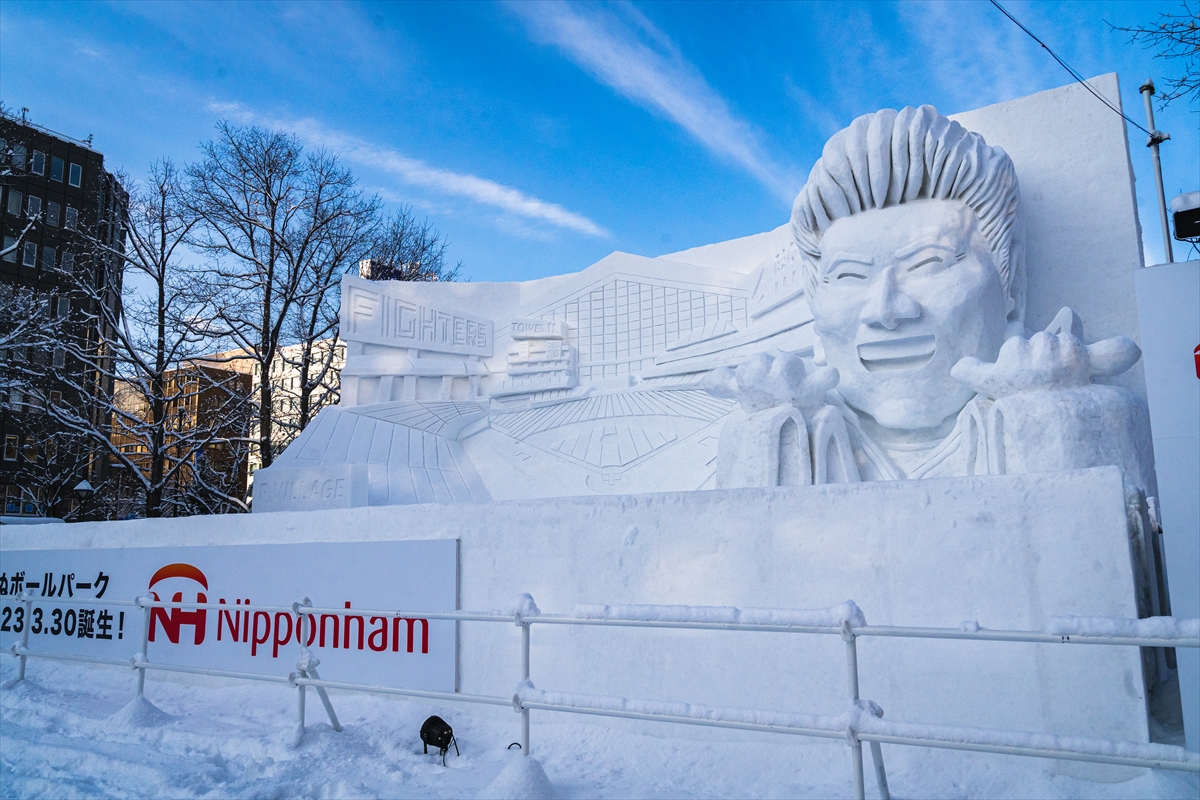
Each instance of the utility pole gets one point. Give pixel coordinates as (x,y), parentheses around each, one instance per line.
(1157,137)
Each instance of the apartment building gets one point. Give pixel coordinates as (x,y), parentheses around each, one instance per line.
(59,207)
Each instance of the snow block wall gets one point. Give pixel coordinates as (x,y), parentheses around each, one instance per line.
(1007,552)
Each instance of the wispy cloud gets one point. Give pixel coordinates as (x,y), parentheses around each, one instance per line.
(1002,62)
(621,48)
(511,202)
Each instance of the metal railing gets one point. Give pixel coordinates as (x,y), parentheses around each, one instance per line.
(860,724)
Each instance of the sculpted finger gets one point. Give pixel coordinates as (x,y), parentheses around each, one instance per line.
(720,383)
(1112,356)
(975,374)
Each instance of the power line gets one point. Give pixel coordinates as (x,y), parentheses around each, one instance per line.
(1067,67)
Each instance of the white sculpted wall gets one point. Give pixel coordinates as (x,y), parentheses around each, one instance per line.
(882,337)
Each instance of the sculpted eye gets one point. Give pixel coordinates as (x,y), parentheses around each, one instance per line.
(851,275)
(924,261)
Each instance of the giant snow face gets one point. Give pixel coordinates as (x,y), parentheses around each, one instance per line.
(903,293)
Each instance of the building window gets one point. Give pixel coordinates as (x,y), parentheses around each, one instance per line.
(37,164)
(51,451)
(10,249)
(34,206)
(55,398)
(72,218)
(12,500)
(56,168)
(68,261)
(76,176)
(18,156)
(29,258)
(10,448)
(60,357)
(64,303)
(29,451)
(49,256)
(53,213)
(15,199)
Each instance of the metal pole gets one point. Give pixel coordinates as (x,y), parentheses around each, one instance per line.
(1156,138)
(860,791)
(300,666)
(25,634)
(300,709)
(525,677)
(308,662)
(141,665)
(880,772)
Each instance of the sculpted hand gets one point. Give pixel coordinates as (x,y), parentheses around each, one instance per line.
(766,382)
(1047,361)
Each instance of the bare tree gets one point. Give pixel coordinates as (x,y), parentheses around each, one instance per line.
(163,411)
(267,213)
(315,354)
(1172,37)
(406,250)
(51,460)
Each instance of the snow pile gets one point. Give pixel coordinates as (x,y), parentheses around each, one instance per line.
(832,617)
(1149,628)
(522,605)
(141,713)
(522,779)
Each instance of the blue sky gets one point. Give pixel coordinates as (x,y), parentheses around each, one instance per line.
(540,137)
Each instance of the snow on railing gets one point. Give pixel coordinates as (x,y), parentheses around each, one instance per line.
(834,617)
(780,721)
(1119,627)
(1046,745)
(862,722)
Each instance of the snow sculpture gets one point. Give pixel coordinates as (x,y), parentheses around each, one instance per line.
(881,338)
(910,238)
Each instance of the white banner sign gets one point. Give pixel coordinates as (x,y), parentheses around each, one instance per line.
(408,652)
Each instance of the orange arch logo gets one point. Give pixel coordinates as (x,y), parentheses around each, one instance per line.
(179,571)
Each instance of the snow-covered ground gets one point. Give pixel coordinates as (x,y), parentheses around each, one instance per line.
(70,731)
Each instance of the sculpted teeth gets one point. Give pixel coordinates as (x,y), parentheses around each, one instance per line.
(893,354)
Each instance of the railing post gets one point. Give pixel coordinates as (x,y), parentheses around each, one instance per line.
(301,664)
(27,599)
(852,739)
(880,772)
(141,658)
(524,677)
(307,665)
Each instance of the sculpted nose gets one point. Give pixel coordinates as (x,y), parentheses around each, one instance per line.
(889,305)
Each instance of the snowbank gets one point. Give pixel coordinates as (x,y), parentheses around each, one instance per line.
(1007,552)
(234,739)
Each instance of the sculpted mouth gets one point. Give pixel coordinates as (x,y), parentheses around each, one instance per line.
(910,352)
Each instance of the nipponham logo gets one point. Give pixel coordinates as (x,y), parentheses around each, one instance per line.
(345,631)
(178,617)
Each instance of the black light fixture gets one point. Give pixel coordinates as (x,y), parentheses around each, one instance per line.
(1186,210)
(83,490)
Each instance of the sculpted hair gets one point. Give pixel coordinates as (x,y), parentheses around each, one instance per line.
(889,157)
